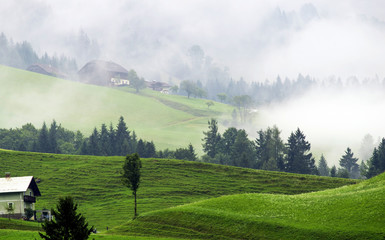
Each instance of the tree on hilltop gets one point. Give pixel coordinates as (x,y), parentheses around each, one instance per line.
(131,175)
(323,167)
(349,163)
(298,159)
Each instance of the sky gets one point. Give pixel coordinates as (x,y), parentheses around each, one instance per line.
(256,40)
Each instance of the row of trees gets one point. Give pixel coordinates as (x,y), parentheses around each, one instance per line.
(267,152)
(22,55)
(108,141)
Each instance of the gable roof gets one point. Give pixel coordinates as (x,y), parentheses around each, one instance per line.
(100,65)
(46,69)
(19,184)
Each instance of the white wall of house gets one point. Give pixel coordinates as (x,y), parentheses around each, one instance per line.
(16,199)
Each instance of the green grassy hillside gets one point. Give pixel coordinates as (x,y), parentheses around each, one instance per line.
(350,212)
(95,183)
(171,121)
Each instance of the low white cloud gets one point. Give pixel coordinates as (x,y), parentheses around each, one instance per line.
(332,120)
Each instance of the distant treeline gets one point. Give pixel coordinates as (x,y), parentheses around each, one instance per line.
(21,55)
(109,141)
(269,152)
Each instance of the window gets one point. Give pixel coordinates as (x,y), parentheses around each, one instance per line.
(10,205)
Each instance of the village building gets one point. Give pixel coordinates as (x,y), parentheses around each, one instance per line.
(103,73)
(16,195)
(158,86)
(47,70)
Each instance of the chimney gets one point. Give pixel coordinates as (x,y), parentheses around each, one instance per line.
(7,175)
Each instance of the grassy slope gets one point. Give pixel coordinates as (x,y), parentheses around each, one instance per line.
(350,212)
(30,97)
(95,183)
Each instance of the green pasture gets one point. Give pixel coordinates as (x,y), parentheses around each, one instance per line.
(170,121)
(95,183)
(349,212)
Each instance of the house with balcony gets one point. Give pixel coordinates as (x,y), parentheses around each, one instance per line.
(17,194)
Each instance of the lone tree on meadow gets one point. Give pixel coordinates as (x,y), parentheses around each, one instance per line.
(131,174)
(67,224)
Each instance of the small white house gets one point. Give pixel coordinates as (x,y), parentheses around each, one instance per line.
(18,194)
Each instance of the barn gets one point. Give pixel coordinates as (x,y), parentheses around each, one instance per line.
(103,73)
(47,70)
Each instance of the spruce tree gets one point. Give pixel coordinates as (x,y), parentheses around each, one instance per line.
(67,223)
(211,139)
(298,159)
(52,137)
(122,134)
(242,151)
(94,143)
(43,140)
(112,139)
(323,167)
(333,172)
(270,149)
(376,164)
(349,162)
(141,148)
(105,147)
(150,149)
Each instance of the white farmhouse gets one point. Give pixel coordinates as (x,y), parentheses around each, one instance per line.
(18,194)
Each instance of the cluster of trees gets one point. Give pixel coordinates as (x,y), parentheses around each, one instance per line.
(376,164)
(21,55)
(267,151)
(108,141)
(349,167)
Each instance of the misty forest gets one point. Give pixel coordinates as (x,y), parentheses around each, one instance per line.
(226,118)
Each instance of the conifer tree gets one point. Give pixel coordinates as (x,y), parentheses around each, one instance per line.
(43,140)
(242,151)
(376,164)
(141,148)
(150,149)
(52,137)
(211,139)
(323,167)
(333,172)
(112,138)
(94,143)
(349,162)
(105,147)
(122,134)
(67,223)
(298,159)
(270,149)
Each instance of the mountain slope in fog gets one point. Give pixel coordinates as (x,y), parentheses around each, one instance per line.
(28,97)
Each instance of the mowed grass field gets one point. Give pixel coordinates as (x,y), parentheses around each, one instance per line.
(349,212)
(170,121)
(95,184)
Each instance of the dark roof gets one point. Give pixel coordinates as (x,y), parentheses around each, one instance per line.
(46,69)
(104,66)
